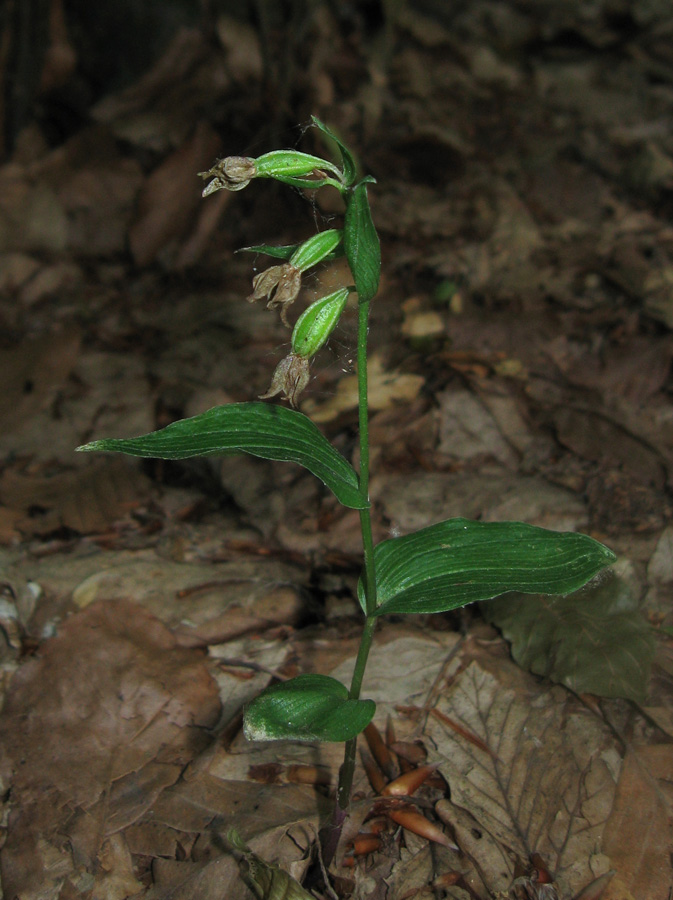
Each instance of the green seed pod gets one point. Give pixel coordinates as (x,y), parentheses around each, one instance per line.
(315,249)
(316,323)
(292,164)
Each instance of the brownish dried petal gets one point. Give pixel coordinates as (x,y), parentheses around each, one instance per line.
(231,174)
(280,285)
(290,379)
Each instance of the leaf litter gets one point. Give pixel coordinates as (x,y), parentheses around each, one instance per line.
(524,211)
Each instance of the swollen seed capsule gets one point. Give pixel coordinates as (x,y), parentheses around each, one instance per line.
(316,323)
(291,163)
(315,249)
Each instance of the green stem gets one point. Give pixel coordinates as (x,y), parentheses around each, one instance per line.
(369,574)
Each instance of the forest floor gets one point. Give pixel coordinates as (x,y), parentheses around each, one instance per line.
(520,369)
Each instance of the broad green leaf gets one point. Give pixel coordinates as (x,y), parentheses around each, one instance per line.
(361,243)
(596,641)
(306,708)
(459,561)
(261,429)
(346,156)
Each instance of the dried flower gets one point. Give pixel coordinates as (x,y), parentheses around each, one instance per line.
(231,174)
(280,285)
(290,379)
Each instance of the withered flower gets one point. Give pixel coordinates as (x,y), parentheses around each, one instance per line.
(280,285)
(290,379)
(231,174)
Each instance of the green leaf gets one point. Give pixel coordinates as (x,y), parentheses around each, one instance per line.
(459,561)
(261,429)
(307,708)
(596,641)
(282,252)
(287,250)
(349,164)
(361,243)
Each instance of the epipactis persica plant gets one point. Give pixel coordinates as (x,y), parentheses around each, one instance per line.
(439,568)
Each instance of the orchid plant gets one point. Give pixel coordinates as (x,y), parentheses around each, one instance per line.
(439,568)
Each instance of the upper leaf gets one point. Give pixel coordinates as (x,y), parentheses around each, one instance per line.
(361,243)
(307,708)
(270,432)
(346,155)
(459,561)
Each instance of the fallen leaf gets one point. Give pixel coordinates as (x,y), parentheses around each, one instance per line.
(33,372)
(467,430)
(95,729)
(171,196)
(595,641)
(87,502)
(160,110)
(385,389)
(549,789)
(605,439)
(638,834)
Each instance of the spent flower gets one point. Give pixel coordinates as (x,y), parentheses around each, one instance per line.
(289,379)
(231,174)
(280,285)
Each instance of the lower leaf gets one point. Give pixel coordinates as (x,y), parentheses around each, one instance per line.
(459,561)
(307,708)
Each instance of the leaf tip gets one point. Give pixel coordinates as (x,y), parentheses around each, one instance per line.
(92,445)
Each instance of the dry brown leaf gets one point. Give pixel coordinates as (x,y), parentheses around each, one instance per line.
(385,389)
(115,878)
(95,728)
(87,502)
(411,874)
(635,370)
(600,436)
(95,190)
(638,835)
(548,788)
(206,603)
(413,501)
(171,196)
(160,110)
(32,219)
(33,372)
(467,430)
(278,821)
